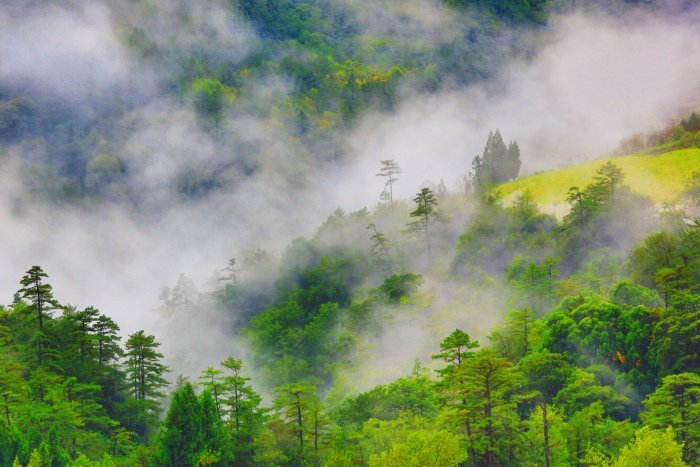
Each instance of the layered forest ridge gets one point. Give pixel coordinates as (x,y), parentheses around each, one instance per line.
(349,233)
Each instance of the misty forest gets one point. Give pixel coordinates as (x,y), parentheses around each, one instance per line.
(349,233)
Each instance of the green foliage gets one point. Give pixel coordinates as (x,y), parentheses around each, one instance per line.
(668,261)
(537,283)
(692,188)
(426,214)
(241,410)
(422,448)
(627,293)
(585,335)
(144,373)
(545,441)
(675,346)
(588,432)
(519,12)
(210,379)
(597,213)
(558,385)
(546,374)
(39,295)
(485,383)
(583,389)
(13,445)
(650,448)
(413,395)
(102,170)
(296,405)
(210,95)
(517,337)
(293,339)
(192,431)
(454,349)
(380,250)
(389,170)
(181,438)
(399,286)
(676,403)
(495,235)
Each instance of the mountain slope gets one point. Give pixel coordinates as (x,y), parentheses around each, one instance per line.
(660,177)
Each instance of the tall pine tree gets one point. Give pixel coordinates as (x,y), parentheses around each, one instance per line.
(145,380)
(39,295)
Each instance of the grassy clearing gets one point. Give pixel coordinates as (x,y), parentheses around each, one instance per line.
(661,177)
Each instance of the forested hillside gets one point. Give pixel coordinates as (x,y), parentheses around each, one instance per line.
(177,294)
(589,357)
(309,69)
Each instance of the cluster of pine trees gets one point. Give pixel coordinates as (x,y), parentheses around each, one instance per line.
(70,390)
(498,163)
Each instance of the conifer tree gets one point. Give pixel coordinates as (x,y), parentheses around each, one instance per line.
(546,375)
(426,213)
(292,405)
(389,170)
(84,322)
(241,409)
(181,439)
(676,403)
(211,380)
(496,156)
(514,340)
(216,443)
(498,163)
(380,248)
(513,161)
(608,181)
(106,337)
(38,293)
(144,372)
(650,448)
(455,350)
(318,426)
(39,296)
(485,380)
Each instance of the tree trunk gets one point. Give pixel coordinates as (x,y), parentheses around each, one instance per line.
(683,434)
(525,334)
(391,190)
(39,308)
(238,408)
(545,431)
(490,455)
(7,408)
(472,453)
(427,237)
(301,430)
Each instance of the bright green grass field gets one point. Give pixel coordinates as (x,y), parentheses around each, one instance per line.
(661,177)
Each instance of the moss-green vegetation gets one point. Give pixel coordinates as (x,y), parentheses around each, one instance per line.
(661,177)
